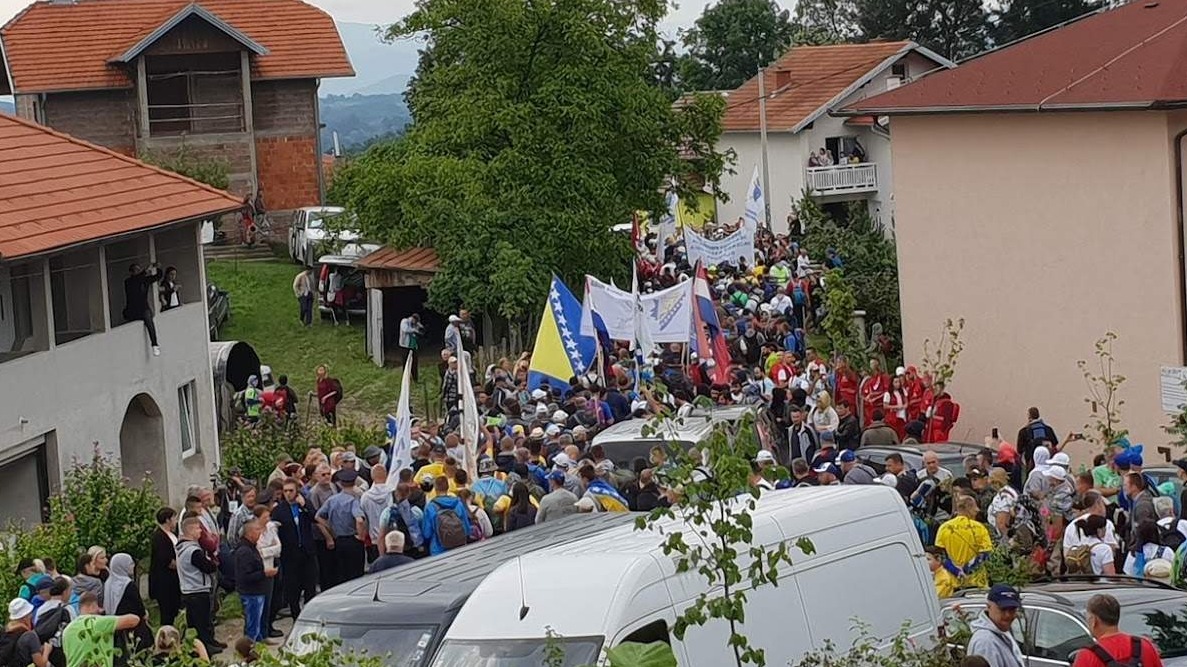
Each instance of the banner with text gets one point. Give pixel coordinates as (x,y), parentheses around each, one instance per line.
(736,246)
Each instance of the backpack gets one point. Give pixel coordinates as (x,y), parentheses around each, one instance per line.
(1135,654)
(798,296)
(451,532)
(476,533)
(338,388)
(1170,536)
(1040,432)
(50,625)
(1078,559)
(8,642)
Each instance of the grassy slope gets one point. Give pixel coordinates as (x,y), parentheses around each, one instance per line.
(264,313)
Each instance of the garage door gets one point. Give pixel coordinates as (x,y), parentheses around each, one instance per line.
(24,483)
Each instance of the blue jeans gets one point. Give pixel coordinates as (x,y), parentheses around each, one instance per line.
(253,616)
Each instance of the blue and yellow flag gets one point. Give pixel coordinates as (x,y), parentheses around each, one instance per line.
(561,351)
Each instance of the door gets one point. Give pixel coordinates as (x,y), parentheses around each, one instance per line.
(375,325)
(1055,636)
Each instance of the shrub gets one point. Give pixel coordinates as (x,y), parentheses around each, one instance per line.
(211,171)
(900,651)
(253,448)
(96,506)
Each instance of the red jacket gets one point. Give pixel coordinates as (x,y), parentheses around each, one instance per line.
(873,388)
(847,388)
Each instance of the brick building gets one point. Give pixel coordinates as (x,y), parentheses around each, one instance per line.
(232,80)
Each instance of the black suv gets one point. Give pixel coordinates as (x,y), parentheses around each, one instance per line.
(1052,629)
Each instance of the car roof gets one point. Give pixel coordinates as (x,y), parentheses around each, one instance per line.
(945,450)
(730,413)
(691,428)
(417,593)
(323,209)
(1072,592)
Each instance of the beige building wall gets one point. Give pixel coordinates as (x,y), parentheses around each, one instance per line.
(1043,231)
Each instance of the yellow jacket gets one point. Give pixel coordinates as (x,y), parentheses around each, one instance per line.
(967,545)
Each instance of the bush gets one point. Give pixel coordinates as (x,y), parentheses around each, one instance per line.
(253,448)
(901,651)
(313,651)
(97,506)
(211,171)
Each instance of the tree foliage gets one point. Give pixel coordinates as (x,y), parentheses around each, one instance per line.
(826,21)
(183,161)
(940,357)
(1020,18)
(733,39)
(709,531)
(1103,399)
(953,28)
(537,127)
(871,260)
(838,324)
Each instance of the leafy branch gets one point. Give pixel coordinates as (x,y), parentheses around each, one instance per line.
(1103,398)
(940,359)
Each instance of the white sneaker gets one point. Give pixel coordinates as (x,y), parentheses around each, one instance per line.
(156,351)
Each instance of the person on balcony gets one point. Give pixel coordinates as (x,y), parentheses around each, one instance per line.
(137,287)
(825,158)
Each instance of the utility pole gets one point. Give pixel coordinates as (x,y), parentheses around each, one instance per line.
(762,139)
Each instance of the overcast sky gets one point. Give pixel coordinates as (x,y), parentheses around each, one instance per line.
(386,11)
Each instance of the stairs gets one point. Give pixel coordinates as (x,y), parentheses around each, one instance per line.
(240,253)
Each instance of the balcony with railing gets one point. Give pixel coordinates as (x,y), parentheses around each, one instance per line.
(840,179)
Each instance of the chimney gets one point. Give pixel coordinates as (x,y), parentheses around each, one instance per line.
(782,79)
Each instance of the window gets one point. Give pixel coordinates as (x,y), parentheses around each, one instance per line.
(899,70)
(1057,635)
(656,631)
(194,94)
(77,296)
(186,397)
(23,324)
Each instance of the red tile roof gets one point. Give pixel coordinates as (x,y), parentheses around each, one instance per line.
(803,81)
(54,46)
(412,259)
(59,191)
(1129,57)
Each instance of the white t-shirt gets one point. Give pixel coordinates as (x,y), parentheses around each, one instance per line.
(1071,535)
(1004,501)
(1152,551)
(1102,554)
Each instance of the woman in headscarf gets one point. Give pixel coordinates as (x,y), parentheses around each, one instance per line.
(1036,484)
(122,596)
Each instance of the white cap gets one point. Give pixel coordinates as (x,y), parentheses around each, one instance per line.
(560,416)
(1060,459)
(889,480)
(562,460)
(900,371)
(454,319)
(539,394)
(552,430)
(19,608)
(1058,472)
(638,405)
(764,456)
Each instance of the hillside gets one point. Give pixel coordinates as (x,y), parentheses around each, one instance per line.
(380,67)
(360,118)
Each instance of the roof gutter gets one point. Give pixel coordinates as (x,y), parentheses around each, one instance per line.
(1010,108)
(1181,243)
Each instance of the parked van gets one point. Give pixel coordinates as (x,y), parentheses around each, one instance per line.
(402,614)
(618,586)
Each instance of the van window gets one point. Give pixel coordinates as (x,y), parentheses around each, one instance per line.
(577,652)
(656,631)
(1058,635)
(879,587)
(396,645)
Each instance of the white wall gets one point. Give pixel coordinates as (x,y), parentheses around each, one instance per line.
(81,390)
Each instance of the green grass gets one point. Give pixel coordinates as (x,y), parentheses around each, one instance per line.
(264,314)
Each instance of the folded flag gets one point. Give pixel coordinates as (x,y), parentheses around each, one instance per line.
(561,351)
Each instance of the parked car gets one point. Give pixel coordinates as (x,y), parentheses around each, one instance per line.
(1163,474)
(310,229)
(350,297)
(952,455)
(218,309)
(1051,628)
(626,440)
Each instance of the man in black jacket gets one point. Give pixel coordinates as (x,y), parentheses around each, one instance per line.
(848,431)
(251,581)
(137,287)
(297,555)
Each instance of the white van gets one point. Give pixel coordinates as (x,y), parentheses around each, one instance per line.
(618,586)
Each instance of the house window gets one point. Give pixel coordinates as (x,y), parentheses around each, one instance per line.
(899,70)
(194,94)
(77,295)
(22,311)
(186,398)
(845,149)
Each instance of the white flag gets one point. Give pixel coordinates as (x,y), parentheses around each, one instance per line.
(667,223)
(668,313)
(402,443)
(641,341)
(614,306)
(470,430)
(756,204)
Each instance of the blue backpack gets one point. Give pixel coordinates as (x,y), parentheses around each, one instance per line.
(798,296)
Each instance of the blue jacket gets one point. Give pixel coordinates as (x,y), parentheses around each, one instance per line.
(429,525)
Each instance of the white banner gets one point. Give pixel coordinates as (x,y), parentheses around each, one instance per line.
(668,313)
(756,204)
(402,444)
(736,246)
(1173,393)
(615,306)
(470,430)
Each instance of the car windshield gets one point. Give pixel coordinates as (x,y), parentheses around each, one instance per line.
(519,652)
(1165,624)
(395,645)
(623,452)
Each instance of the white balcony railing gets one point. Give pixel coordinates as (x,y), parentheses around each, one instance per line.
(842,178)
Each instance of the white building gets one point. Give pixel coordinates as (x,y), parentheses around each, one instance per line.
(73,218)
(802,90)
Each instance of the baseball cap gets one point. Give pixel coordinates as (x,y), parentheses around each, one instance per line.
(43,584)
(557,476)
(1005,597)
(552,430)
(439,448)
(764,456)
(349,457)
(486,465)
(560,417)
(578,430)
(847,456)
(539,394)
(976,473)
(1060,459)
(562,460)
(19,608)
(372,452)
(347,476)
(1058,472)
(828,468)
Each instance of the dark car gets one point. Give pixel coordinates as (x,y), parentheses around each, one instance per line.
(952,455)
(218,309)
(1052,628)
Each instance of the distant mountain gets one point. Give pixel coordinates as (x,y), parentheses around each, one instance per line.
(358,119)
(381,68)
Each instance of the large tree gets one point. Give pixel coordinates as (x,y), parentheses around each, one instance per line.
(826,21)
(1020,18)
(538,126)
(955,29)
(730,42)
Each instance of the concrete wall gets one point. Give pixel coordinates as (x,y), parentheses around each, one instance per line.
(80,392)
(1043,232)
(104,117)
(288,160)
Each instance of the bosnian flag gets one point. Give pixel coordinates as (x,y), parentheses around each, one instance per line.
(708,340)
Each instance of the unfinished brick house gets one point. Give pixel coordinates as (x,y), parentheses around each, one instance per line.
(232,80)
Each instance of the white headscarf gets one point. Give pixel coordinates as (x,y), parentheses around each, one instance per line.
(121,570)
(1041,455)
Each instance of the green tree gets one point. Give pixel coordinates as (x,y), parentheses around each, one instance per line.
(731,40)
(709,530)
(940,357)
(885,19)
(826,21)
(955,29)
(1016,19)
(838,324)
(537,127)
(182,161)
(1103,399)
